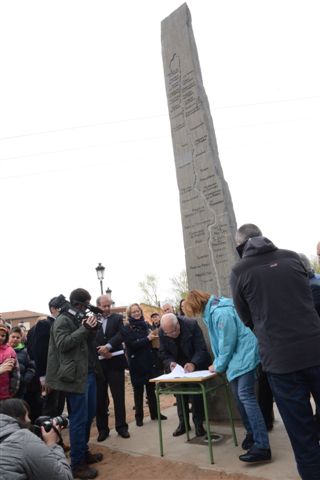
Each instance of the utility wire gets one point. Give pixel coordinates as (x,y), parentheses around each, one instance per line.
(85,147)
(145,139)
(115,122)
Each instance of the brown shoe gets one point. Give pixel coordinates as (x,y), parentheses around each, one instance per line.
(84,471)
(93,457)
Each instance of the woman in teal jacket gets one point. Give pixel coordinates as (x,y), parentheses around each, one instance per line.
(235,350)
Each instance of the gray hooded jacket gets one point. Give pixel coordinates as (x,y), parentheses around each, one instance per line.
(24,456)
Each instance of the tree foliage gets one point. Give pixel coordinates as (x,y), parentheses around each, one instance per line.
(149,289)
(179,286)
(315,263)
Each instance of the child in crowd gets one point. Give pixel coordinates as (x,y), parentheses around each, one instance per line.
(9,367)
(27,366)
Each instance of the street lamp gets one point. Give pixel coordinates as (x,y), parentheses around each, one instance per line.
(109,293)
(100,274)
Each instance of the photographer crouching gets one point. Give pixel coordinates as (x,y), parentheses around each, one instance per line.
(71,369)
(23,454)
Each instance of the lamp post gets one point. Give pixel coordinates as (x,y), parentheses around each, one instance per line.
(100,274)
(109,293)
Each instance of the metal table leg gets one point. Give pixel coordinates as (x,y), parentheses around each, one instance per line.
(206,416)
(159,419)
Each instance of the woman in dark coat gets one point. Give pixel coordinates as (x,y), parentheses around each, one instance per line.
(142,360)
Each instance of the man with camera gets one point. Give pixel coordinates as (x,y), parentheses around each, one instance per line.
(71,369)
(23,454)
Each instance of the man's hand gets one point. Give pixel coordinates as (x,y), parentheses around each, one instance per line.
(189,367)
(50,438)
(91,321)
(172,365)
(7,365)
(211,369)
(103,351)
(153,334)
(45,389)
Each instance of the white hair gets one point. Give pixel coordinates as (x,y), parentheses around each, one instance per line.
(169,316)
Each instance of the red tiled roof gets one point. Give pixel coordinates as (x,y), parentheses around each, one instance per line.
(20,314)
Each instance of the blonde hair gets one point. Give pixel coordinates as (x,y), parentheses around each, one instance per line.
(195,302)
(130,308)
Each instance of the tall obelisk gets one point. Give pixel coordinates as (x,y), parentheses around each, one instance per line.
(207,214)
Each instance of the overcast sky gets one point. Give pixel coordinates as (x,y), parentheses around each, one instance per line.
(86,164)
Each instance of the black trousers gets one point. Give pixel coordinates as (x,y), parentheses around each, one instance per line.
(265,398)
(53,403)
(197,408)
(114,379)
(138,400)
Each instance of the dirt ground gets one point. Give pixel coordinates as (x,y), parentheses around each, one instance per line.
(120,466)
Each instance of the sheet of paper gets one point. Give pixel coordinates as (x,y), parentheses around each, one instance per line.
(114,354)
(178,372)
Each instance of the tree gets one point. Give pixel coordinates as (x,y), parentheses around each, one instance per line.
(149,289)
(315,263)
(180,286)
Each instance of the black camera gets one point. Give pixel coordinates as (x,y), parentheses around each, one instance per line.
(61,421)
(63,305)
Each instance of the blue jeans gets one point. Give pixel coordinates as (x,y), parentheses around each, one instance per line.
(292,395)
(244,393)
(82,409)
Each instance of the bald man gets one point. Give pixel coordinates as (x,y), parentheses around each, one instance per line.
(182,342)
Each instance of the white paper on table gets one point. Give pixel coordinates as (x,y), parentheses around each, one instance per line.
(178,372)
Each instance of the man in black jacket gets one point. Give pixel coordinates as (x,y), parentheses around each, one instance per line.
(272,295)
(113,363)
(182,342)
(38,345)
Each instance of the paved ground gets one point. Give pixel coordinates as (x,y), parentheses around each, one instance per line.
(184,457)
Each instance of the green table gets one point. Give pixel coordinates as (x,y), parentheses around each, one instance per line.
(194,386)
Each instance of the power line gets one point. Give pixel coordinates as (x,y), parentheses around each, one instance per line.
(85,147)
(143,139)
(77,127)
(101,124)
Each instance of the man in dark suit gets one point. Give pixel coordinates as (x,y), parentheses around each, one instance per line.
(113,363)
(38,345)
(182,342)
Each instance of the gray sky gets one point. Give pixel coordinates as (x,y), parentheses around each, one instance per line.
(86,165)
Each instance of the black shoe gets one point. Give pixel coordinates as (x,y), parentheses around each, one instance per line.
(93,457)
(139,422)
(84,471)
(269,427)
(124,434)
(200,431)
(247,442)
(256,455)
(103,434)
(180,430)
(162,417)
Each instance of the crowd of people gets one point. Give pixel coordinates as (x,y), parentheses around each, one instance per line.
(269,331)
